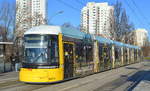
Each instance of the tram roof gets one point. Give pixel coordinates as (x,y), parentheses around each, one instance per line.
(74,33)
(6,43)
(55,30)
(71,32)
(103,40)
(44,29)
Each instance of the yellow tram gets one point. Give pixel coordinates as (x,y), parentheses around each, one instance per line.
(54,53)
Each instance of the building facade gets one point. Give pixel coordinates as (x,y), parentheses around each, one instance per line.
(38,11)
(96,18)
(29,13)
(140,37)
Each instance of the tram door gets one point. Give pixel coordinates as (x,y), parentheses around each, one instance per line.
(68,60)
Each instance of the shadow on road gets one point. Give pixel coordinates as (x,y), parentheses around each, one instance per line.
(137,78)
(132,68)
(1,75)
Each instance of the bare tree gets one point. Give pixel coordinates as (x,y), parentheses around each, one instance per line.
(122,26)
(23,20)
(126,28)
(117,15)
(7,18)
(67,24)
(146,51)
(70,25)
(111,27)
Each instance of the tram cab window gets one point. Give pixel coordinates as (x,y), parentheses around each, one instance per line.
(53,57)
(41,49)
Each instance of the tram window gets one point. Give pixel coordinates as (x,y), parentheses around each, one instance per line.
(126,51)
(105,52)
(119,52)
(89,53)
(53,51)
(100,51)
(84,53)
(1,50)
(41,49)
(135,54)
(139,53)
(80,52)
(109,52)
(35,49)
(116,53)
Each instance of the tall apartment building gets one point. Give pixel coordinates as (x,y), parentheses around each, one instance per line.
(140,37)
(29,13)
(96,17)
(38,10)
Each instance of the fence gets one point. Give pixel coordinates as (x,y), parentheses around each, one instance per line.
(5,67)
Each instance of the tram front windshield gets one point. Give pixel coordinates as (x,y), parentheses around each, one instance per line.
(41,49)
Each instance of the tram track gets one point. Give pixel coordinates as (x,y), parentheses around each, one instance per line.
(73,84)
(103,81)
(16,85)
(4,84)
(20,87)
(10,84)
(124,83)
(90,81)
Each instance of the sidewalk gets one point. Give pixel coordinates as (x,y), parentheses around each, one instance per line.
(9,76)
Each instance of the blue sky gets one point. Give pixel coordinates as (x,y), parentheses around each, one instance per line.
(72,9)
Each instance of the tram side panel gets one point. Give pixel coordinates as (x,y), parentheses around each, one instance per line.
(68,60)
(95,57)
(101,59)
(107,57)
(117,56)
(83,63)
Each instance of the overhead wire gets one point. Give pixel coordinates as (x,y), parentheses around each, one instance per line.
(68,5)
(81,3)
(139,17)
(134,13)
(126,1)
(140,12)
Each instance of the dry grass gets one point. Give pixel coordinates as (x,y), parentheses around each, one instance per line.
(147,58)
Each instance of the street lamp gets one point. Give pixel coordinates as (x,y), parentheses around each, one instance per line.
(49,20)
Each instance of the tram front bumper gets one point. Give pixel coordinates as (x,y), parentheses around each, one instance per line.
(40,75)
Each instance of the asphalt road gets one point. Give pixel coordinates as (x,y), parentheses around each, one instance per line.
(120,79)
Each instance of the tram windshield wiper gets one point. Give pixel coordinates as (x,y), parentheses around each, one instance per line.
(41,55)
